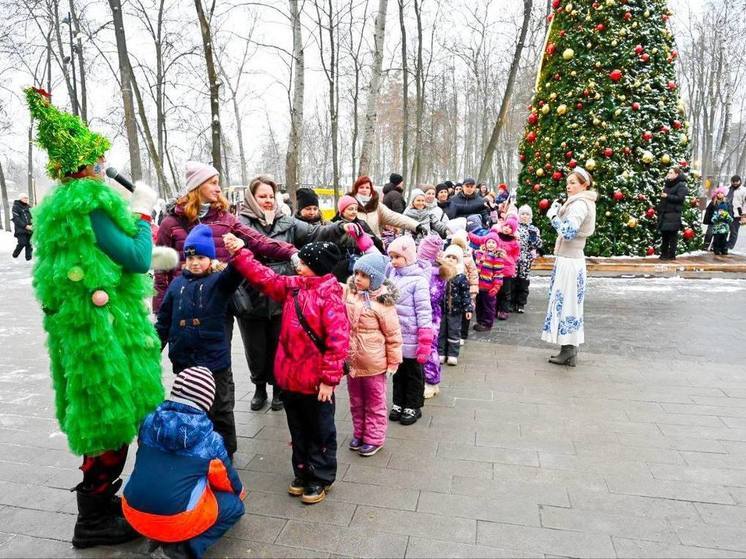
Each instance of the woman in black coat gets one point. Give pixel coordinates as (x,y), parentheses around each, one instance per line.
(669,211)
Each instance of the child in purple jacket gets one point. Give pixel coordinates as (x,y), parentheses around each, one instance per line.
(430,252)
(415,317)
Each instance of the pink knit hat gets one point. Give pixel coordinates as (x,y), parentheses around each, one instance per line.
(491,236)
(197,173)
(718,190)
(511,222)
(404,246)
(430,247)
(345,202)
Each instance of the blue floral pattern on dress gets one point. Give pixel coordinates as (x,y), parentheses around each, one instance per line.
(581,286)
(570,325)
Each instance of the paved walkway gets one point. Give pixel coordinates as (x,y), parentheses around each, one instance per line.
(639,451)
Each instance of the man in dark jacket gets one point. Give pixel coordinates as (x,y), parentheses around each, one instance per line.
(737,199)
(669,211)
(467,202)
(393,197)
(23,227)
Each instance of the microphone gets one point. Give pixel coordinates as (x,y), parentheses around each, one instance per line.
(112,173)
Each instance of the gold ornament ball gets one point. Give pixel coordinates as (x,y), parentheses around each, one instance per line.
(665,159)
(684,139)
(567,54)
(597,64)
(574,13)
(552,96)
(545,109)
(646,13)
(562,109)
(573,73)
(617,112)
(610,3)
(590,164)
(622,98)
(568,8)
(647,157)
(608,214)
(632,223)
(540,172)
(614,43)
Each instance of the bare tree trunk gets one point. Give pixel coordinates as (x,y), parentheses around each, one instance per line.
(405,95)
(4,195)
(292,157)
(30,163)
(56,24)
(371,115)
(419,103)
(126,78)
(214,83)
(81,63)
(484,168)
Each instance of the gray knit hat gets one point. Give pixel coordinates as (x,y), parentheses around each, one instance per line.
(372,265)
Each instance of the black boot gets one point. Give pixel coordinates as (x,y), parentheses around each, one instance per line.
(276,404)
(260,397)
(566,356)
(98,522)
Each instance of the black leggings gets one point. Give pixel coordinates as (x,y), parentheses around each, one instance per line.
(669,243)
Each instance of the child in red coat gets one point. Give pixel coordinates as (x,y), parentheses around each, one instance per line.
(314,339)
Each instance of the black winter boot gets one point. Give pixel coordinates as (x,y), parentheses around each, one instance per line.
(276,404)
(260,397)
(100,520)
(566,356)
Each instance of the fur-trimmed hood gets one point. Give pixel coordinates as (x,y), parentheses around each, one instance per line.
(387,294)
(446,270)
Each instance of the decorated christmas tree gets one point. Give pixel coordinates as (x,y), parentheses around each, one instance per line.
(607,99)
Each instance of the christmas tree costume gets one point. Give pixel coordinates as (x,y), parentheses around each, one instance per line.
(92,252)
(607,100)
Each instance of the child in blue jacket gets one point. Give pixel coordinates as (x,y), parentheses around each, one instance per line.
(183,492)
(192,317)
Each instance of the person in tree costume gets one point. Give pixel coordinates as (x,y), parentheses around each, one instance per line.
(93,252)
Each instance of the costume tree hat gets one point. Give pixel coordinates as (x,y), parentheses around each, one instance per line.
(67,140)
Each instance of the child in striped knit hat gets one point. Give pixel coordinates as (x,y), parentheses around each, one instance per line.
(491,264)
(184,493)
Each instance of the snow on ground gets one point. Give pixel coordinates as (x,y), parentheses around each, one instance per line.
(651,284)
(7,242)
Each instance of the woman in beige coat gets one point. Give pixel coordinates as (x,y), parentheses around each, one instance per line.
(373,212)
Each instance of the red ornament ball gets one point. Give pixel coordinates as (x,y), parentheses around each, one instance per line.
(568,155)
(522,156)
(647,135)
(627,150)
(579,106)
(665,129)
(537,187)
(557,175)
(688,234)
(639,49)
(650,213)
(635,106)
(671,85)
(544,204)
(677,124)
(642,197)
(600,27)
(557,76)
(572,164)
(615,75)
(650,251)
(644,57)
(618,195)
(608,152)
(627,16)
(533,118)
(596,5)
(551,49)
(548,166)
(555,4)
(562,33)
(531,137)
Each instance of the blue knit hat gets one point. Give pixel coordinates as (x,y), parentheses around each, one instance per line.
(199,242)
(372,265)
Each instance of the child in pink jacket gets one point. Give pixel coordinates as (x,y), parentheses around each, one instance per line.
(313,346)
(509,249)
(375,349)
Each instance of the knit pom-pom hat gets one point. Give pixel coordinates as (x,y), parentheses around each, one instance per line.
(430,247)
(511,222)
(197,173)
(719,190)
(372,265)
(194,386)
(415,192)
(199,242)
(457,252)
(526,209)
(404,246)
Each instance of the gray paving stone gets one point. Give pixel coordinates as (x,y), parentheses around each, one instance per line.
(670,490)
(408,523)
(491,507)
(715,476)
(717,537)
(596,465)
(726,515)
(230,547)
(648,507)
(352,542)
(632,549)
(627,526)
(544,540)
(441,465)
(425,548)
(257,528)
(402,479)
(374,495)
(37,523)
(329,512)
(488,454)
(537,492)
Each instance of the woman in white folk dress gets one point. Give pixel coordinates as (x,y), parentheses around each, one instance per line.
(575,221)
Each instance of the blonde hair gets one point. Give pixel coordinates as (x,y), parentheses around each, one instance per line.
(191,203)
